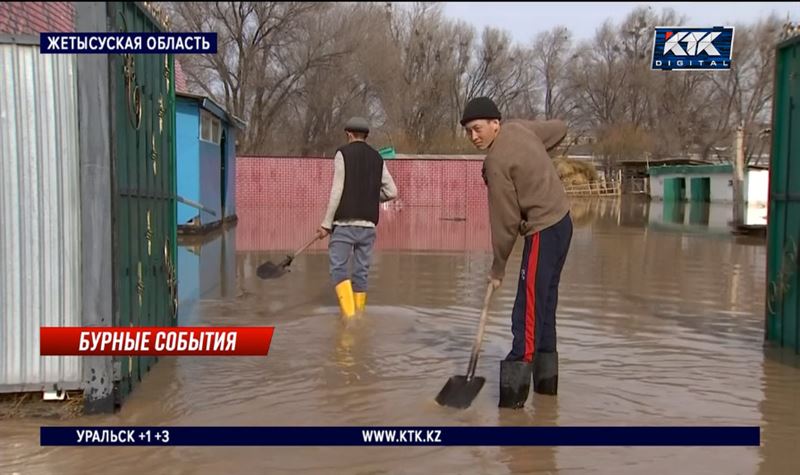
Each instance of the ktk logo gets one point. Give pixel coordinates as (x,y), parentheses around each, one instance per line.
(681,48)
(696,43)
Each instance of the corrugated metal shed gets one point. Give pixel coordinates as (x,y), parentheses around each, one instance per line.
(40,251)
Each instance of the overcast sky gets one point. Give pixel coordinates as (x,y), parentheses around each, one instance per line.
(525,19)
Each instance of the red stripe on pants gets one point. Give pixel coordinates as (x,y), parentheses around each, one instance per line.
(530,300)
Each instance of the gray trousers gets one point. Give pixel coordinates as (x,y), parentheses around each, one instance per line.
(358,242)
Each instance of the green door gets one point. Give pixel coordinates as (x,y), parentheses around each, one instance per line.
(674,189)
(700,189)
(783,226)
(143,147)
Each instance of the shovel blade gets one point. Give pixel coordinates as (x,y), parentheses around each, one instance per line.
(268,270)
(459,392)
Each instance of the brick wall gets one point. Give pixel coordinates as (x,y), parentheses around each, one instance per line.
(441,204)
(32,18)
(280,181)
(180,76)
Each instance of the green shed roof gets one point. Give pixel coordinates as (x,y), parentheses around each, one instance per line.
(691,169)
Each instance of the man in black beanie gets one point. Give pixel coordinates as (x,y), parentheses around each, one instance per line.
(526,197)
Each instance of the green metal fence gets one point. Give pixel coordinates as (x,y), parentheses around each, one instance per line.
(783,227)
(143,148)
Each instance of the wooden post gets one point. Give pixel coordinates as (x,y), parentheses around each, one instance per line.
(738,177)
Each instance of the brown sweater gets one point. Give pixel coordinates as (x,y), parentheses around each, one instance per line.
(525,193)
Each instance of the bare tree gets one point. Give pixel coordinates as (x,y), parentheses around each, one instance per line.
(255,70)
(666,103)
(415,96)
(600,78)
(753,68)
(527,103)
(463,56)
(498,70)
(552,51)
(334,89)
(295,70)
(622,141)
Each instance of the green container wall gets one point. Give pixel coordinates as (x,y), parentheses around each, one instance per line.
(674,189)
(783,227)
(701,189)
(143,147)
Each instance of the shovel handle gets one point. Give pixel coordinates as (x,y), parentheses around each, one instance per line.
(316,238)
(476,347)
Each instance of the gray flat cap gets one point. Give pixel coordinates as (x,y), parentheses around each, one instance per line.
(357,124)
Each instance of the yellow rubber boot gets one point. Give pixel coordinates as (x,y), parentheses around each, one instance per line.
(344,290)
(361,301)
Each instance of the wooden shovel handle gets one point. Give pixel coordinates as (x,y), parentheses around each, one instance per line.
(306,246)
(476,347)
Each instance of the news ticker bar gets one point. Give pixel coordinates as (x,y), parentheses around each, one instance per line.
(405,436)
(155,341)
(128,43)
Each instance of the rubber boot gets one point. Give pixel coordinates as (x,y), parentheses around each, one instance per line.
(344,291)
(545,373)
(515,383)
(361,301)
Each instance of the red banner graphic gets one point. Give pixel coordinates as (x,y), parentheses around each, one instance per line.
(155,341)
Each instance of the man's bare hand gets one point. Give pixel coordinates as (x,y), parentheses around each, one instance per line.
(496,283)
(322,232)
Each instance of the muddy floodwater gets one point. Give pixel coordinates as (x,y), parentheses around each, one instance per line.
(660,322)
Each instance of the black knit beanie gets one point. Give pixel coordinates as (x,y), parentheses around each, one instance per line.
(480,108)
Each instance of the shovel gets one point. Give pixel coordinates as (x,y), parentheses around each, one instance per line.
(269,270)
(460,391)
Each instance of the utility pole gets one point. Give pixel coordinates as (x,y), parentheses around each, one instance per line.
(738,177)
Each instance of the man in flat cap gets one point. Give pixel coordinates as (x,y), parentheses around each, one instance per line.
(361,182)
(527,198)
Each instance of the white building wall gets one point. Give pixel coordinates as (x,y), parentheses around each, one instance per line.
(756,187)
(721,188)
(657,186)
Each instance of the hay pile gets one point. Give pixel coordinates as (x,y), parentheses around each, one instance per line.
(574,172)
(31,405)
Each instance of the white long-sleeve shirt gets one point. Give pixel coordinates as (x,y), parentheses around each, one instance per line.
(388,193)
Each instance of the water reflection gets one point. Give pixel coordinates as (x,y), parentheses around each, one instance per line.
(440,229)
(692,217)
(655,328)
(206,270)
(780,437)
(406,229)
(699,216)
(699,213)
(532,459)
